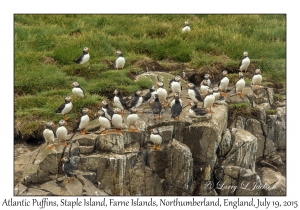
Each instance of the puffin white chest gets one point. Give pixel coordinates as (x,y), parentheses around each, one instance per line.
(245,64)
(224,83)
(192,113)
(77,92)
(117,120)
(256,80)
(61,133)
(176,87)
(139,102)
(104,122)
(85,58)
(132,119)
(156,138)
(204,89)
(118,103)
(208,101)
(68,107)
(120,62)
(186,29)
(84,121)
(192,95)
(216,95)
(49,135)
(162,93)
(240,85)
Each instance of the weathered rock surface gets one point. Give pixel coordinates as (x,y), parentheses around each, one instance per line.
(273,183)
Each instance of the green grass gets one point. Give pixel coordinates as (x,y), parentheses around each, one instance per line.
(40,87)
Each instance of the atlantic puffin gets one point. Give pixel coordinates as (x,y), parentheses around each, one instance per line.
(239,86)
(150,95)
(156,138)
(83,121)
(204,87)
(104,121)
(119,101)
(207,77)
(65,108)
(194,93)
(107,110)
(186,27)
(61,132)
(245,62)
(156,107)
(209,101)
(117,120)
(223,84)
(176,109)
(84,57)
(132,119)
(137,100)
(120,61)
(49,135)
(175,84)
(257,78)
(176,96)
(195,111)
(217,94)
(68,168)
(162,93)
(77,90)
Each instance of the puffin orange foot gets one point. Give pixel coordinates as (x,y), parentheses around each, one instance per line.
(52,147)
(65,143)
(58,143)
(135,130)
(154,146)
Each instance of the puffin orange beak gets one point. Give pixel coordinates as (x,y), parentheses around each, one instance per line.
(66,122)
(61,159)
(90,111)
(72,85)
(151,130)
(187,85)
(101,104)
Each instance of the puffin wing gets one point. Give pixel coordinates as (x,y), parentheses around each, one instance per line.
(77,126)
(60,108)
(176,110)
(133,102)
(69,169)
(147,96)
(200,111)
(79,58)
(198,96)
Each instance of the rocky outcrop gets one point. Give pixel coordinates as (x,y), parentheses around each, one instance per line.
(203,156)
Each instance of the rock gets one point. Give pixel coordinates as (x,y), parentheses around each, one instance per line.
(260,96)
(262,110)
(270,148)
(86,149)
(273,183)
(52,187)
(110,143)
(86,140)
(271,95)
(33,174)
(158,161)
(19,189)
(255,127)
(280,135)
(179,171)
(271,121)
(205,189)
(74,187)
(35,192)
(240,122)
(88,188)
(276,160)
(225,143)
(243,151)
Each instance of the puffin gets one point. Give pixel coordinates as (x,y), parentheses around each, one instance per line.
(137,100)
(104,121)
(223,84)
(217,94)
(239,86)
(176,96)
(195,111)
(120,61)
(77,90)
(84,57)
(176,109)
(194,93)
(117,120)
(204,87)
(119,101)
(156,107)
(65,108)
(132,119)
(107,110)
(150,95)
(162,93)
(257,78)
(209,100)
(61,132)
(68,168)
(245,62)
(49,135)
(186,27)
(207,78)
(83,121)
(156,138)
(175,84)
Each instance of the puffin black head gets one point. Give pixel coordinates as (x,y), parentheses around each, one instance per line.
(191,86)
(75,84)
(215,89)
(186,23)
(86,50)
(119,53)
(225,73)
(204,82)
(160,84)
(207,76)
(68,99)
(62,123)
(132,110)
(50,125)
(104,103)
(117,92)
(117,110)
(65,159)
(137,92)
(178,78)
(101,113)
(257,71)
(154,131)
(245,54)
(241,75)
(85,111)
